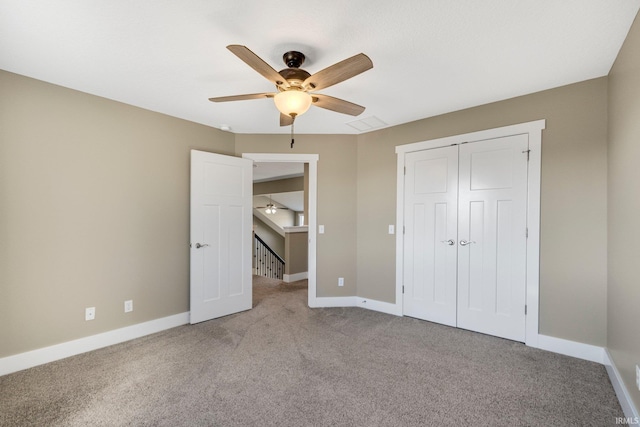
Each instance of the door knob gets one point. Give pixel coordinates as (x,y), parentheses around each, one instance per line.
(198,245)
(449,242)
(465,243)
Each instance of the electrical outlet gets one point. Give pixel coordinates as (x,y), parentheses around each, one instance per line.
(128,306)
(638,376)
(90,313)
(340,281)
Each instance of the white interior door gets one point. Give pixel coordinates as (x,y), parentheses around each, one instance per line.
(465,209)
(221,204)
(492,221)
(431,199)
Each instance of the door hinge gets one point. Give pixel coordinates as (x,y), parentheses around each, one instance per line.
(403,229)
(526,233)
(405,170)
(528,153)
(525,310)
(403,289)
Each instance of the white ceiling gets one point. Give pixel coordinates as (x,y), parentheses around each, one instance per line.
(293,200)
(430,56)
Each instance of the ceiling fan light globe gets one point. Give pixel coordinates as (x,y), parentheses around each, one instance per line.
(292,102)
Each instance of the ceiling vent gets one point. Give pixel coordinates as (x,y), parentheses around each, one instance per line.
(367,124)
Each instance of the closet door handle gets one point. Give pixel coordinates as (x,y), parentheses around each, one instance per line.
(465,243)
(448,242)
(198,245)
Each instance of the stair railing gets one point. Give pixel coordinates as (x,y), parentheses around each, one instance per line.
(267,262)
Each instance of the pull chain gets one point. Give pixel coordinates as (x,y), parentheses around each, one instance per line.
(292,140)
(293,120)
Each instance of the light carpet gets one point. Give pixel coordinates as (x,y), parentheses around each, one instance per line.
(283,364)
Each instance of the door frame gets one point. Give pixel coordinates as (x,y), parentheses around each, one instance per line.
(312,160)
(534,131)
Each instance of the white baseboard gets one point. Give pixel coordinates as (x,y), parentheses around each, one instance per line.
(369,304)
(334,302)
(624,397)
(295,277)
(579,350)
(384,307)
(44,355)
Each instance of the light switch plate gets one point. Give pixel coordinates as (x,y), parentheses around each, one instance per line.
(321,229)
(392,229)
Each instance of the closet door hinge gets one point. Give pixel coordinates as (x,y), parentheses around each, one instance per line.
(526,233)
(405,170)
(403,289)
(525,310)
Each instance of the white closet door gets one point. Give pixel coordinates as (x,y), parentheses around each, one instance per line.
(431,194)
(492,217)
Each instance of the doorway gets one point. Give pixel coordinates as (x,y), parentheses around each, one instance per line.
(465,260)
(311,160)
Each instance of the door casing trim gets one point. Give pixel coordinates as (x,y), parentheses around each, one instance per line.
(534,131)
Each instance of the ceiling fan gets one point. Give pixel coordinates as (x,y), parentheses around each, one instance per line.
(271,208)
(296,86)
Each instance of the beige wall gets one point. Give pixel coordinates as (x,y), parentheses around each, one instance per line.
(279,186)
(268,235)
(91,191)
(573,201)
(94,210)
(296,250)
(336,256)
(623,333)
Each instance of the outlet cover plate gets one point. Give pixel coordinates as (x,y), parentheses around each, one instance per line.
(128,306)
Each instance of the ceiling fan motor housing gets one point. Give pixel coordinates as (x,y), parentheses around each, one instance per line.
(295,76)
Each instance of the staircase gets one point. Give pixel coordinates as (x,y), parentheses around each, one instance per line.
(267,263)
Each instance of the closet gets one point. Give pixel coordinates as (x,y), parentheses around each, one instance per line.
(464,242)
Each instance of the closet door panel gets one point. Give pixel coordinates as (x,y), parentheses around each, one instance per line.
(492,233)
(431,192)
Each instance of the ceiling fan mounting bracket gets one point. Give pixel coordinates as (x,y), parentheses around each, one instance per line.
(293,59)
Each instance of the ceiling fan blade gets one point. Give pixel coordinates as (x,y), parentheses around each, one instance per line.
(255,62)
(276,207)
(336,104)
(338,72)
(242,97)
(285,120)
